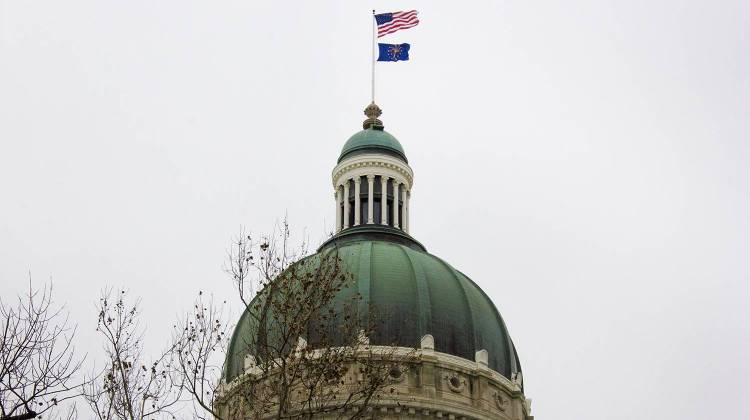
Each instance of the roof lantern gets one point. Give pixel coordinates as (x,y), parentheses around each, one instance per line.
(372,180)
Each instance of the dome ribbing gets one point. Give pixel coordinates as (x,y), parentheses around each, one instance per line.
(420,294)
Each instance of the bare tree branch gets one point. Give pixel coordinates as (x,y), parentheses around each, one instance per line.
(128,388)
(198,352)
(37,357)
(309,349)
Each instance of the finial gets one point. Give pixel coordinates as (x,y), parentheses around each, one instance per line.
(373,112)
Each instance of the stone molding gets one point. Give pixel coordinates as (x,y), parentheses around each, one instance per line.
(446,387)
(372,164)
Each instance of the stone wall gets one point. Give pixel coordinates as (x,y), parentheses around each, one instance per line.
(433,385)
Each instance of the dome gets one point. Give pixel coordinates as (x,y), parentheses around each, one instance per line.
(420,293)
(373,140)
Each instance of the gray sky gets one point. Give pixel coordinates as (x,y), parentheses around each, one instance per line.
(585,162)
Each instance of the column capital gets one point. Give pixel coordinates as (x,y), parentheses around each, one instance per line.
(371,177)
(357,180)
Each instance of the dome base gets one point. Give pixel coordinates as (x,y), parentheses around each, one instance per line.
(374,232)
(427,384)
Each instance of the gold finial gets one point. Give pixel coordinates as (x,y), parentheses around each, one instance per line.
(373,112)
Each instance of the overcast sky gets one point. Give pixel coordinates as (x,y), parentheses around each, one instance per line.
(585,162)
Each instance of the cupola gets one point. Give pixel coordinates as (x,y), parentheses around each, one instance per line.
(372,180)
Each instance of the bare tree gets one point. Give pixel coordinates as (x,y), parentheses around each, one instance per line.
(37,357)
(308,353)
(199,348)
(129,388)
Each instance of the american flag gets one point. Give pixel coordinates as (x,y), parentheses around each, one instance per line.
(389,23)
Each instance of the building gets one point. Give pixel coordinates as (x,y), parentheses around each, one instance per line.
(464,364)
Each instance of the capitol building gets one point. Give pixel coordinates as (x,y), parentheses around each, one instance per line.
(462,361)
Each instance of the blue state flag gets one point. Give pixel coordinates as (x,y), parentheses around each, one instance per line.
(393,52)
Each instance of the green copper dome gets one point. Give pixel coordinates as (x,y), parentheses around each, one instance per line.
(373,140)
(421,294)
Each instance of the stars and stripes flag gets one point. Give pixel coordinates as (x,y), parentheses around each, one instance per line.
(389,23)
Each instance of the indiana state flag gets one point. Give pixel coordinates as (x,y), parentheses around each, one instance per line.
(393,52)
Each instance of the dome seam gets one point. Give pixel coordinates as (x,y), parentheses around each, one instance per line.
(364,280)
(424,303)
(511,359)
(467,301)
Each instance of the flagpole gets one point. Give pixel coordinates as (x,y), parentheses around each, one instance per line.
(373,55)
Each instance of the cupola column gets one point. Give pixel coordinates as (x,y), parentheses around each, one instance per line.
(408,209)
(405,209)
(383,200)
(370,198)
(357,201)
(395,204)
(337,196)
(346,204)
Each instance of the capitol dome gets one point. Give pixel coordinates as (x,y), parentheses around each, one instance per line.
(420,293)
(464,366)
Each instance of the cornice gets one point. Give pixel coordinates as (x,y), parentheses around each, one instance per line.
(374,161)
